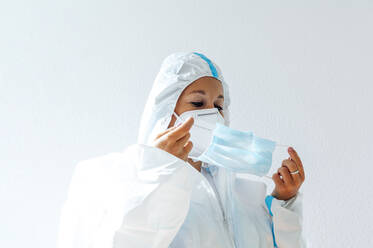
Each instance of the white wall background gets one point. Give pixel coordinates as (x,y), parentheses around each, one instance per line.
(74,77)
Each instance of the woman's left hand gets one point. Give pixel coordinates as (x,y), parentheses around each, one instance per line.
(288,186)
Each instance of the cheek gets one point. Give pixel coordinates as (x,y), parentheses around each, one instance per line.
(180,107)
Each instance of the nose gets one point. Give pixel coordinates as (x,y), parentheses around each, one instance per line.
(210,105)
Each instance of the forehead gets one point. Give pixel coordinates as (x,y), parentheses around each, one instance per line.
(210,85)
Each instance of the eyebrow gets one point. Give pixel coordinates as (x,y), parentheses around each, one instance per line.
(203,93)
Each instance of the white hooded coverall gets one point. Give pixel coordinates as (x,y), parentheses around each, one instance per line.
(145,197)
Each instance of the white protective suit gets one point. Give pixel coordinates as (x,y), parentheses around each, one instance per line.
(145,197)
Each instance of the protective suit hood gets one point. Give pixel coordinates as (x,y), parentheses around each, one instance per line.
(177,71)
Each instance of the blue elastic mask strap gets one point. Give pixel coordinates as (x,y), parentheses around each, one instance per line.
(212,67)
(268,201)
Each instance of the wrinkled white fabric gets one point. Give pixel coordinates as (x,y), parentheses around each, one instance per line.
(146,197)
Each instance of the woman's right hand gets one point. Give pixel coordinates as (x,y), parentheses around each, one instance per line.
(175,140)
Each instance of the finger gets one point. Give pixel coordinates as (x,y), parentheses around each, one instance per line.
(294,156)
(290,164)
(181,130)
(184,140)
(188,147)
(292,167)
(297,178)
(284,172)
(277,179)
(164,132)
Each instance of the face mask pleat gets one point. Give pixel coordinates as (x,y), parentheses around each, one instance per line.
(234,137)
(264,144)
(236,160)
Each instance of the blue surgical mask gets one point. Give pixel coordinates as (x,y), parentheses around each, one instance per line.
(239,151)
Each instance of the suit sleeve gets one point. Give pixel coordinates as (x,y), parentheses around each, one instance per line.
(287,221)
(138,198)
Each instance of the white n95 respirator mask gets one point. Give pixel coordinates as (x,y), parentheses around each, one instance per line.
(201,132)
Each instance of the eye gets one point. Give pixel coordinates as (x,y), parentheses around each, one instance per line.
(218,107)
(197,104)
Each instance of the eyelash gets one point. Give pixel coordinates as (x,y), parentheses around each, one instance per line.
(200,104)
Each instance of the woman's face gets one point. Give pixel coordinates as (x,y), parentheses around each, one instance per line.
(204,93)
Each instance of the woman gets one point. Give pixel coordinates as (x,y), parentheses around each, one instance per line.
(154,195)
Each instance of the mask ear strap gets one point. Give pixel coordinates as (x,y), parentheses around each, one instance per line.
(281,145)
(177,117)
